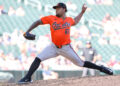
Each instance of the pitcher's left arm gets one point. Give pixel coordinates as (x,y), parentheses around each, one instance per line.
(77,18)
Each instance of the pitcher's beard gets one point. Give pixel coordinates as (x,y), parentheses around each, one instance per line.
(58,15)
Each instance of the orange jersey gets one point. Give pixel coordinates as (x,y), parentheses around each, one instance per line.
(60,29)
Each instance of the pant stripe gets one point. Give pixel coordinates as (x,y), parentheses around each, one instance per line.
(76,53)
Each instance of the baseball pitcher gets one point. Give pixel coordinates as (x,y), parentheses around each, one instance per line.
(60,33)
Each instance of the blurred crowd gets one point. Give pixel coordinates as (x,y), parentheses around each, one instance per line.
(12,11)
(15,42)
(100,2)
(111,27)
(29,49)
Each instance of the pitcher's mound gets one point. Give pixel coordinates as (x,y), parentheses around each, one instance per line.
(78,81)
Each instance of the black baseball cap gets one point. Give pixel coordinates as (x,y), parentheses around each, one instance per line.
(60,5)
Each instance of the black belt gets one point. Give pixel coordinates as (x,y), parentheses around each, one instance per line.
(60,46)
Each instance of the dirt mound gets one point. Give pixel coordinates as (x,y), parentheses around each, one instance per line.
(76,81)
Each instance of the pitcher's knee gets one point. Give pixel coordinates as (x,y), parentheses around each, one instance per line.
(80,63)
(39,59)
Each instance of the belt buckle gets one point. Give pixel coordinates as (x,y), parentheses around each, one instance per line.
(59,46)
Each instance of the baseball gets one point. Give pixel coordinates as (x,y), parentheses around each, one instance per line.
(85,5)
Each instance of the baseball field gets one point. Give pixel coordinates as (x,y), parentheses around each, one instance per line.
(75,81)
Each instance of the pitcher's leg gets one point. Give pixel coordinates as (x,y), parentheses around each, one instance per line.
(68,52)
(47,53)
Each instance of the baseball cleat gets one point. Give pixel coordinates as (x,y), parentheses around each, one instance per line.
(106,70)
(25,81)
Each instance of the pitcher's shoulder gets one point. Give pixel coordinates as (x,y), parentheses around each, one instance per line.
(69,17)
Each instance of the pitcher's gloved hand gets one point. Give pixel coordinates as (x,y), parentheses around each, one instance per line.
(29,36)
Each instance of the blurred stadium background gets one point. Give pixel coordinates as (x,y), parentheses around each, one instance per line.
(100,25)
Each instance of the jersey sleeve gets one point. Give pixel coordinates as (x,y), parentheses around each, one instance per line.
(46,19)
(72,21)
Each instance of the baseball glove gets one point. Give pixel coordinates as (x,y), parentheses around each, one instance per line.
(29,36)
